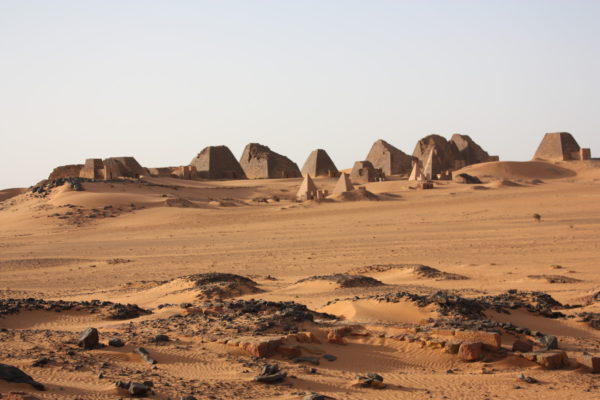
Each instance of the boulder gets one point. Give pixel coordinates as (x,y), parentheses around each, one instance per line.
(258,346)
(552,359)
(490,340)
(522,346)
(591,362)
(89,339)
(470,351)
(13,374)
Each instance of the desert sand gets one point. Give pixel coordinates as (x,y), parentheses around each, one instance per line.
(145,242)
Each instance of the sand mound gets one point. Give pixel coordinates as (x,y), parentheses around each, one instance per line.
(421,271)
(345,280)
(222,285)
(370,310)
(355,195)
(517,170)
(8,193)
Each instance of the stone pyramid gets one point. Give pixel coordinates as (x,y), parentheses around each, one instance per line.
(389,159)
(558,146)
(260,162)
(446,156)
(319,163)
(417,172)
(308,190)
(470,151)
(343,184)
(217,162)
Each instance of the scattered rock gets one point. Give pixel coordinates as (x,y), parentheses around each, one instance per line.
(527,379)
(270,373)
(329,357)
(316,396)
(591,362)
(258,346)
(116,342)
(522,346)
(466,178)
(345,280)
(552,359)
(371,380)
(160,338)
(145,355)
(549,342)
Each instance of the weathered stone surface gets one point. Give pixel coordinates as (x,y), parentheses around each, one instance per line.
(65,171)
(217,162)
(289,350)
(258,346)
(552,359)
(470,351)
(260,162)
(115,342)
(469,151)
(371,380)
(89,339)
(550,342)
(452,347)
(389,159)
(364,171)
(444,155)
(270,373)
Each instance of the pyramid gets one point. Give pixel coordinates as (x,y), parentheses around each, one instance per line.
(389,159)
(260,162)
(559,146)
(430,168)
(122,167)
(319,163)
(217,162)
(470,151)
(308,190)
(343,184)
(445,157)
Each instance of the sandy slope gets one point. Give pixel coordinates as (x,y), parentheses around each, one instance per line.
(489,236)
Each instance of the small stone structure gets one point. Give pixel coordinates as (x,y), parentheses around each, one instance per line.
(363,171)
(560,146)
(343,184)
(319,163)
(217,162)
(308,191)
(389,159)
(260,162)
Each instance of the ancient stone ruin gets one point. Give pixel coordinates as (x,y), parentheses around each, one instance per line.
(389,159)
(112,168)
(343,184)
(65,171)
(181,172)
(319,163)
(260,162)
(438,157)
(217,162)
(364,171)
(560,146)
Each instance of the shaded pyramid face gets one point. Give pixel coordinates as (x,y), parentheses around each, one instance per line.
(469,151)
(343,184)
(445,154)
(319,163)
(389,159)
(260,162)
(217,162)
(559,146)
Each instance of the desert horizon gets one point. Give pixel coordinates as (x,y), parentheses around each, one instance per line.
(283,200)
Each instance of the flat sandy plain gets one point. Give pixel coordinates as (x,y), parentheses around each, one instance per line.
(154,233)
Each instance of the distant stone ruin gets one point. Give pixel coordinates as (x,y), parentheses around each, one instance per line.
(364,171)
(260,162)
(217,162)
(560,146)
(112,168)
(65,171)
(343,184)
(319,163)
(308,191)
(390,160)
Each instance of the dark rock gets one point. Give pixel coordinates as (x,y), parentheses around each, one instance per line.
(15,375)
(160,338)
(145,355)
(308,359)
(89,339)
(316,396)
(329,357)
(40,362)
(270,374)
(138,389)
(116,342)
(522,346)
(371,380)
(527,379)
(549,342)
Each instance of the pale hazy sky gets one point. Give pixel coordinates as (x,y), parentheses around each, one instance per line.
(160,80)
